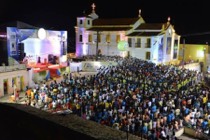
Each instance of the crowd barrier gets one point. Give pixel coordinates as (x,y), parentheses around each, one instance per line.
(195,134)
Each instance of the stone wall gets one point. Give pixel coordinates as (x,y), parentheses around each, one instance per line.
(25,122)
(193,133)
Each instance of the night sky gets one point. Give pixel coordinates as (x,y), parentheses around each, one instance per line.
(190,19)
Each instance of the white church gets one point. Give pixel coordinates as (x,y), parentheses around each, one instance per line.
(155,42)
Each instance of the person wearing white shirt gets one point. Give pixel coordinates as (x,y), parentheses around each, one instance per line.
(163,134)
(193,113)
(54,105)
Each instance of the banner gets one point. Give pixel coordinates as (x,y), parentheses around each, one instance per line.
(160,50)
(168,47)
(175,49)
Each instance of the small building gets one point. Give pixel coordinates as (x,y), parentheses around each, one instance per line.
(195,53)
(155,42)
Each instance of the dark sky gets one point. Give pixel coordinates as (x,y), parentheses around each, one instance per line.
(191,17)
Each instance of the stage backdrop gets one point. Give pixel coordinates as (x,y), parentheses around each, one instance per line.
(55,43)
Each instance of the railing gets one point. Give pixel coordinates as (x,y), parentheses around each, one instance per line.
(194,133)
(12,68)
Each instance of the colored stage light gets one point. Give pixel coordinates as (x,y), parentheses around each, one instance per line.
(122,45)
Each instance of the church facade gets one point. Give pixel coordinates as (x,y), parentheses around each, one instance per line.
(155,42)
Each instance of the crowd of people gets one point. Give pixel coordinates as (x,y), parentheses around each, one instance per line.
(136,96)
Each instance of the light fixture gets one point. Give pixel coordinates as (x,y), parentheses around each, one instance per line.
(41,33)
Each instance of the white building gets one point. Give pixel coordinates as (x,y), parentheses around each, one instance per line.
(156,42)
(10,76)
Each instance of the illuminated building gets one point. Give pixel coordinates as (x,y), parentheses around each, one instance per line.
(156,42)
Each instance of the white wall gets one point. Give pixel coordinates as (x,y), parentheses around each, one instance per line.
(13,74)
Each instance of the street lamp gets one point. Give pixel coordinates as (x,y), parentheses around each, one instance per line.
(183,50)
(204,60)
(107,48)
(142,113)
(126,111)
(97,37)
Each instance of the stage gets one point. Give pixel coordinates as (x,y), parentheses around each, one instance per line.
(47,71)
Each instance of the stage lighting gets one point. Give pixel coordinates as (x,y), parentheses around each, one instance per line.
(41,33)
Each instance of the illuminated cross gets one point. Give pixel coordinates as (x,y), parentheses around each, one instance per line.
(139,12)
(169,19)
(168,22)
(93,6)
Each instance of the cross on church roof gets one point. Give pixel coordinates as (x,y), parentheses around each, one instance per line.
(169,19)
(93,7)
(139,12)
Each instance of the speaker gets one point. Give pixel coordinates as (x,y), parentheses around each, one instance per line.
(21,53)
(54,59)
(50,58)
(39,60)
